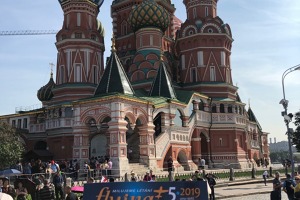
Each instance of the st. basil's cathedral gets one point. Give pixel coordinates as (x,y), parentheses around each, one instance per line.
(166,90)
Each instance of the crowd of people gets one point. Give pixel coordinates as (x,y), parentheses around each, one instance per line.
(290,186)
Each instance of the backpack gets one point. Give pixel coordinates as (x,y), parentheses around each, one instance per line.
(288,187)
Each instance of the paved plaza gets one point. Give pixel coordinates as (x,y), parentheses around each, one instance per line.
(257,191)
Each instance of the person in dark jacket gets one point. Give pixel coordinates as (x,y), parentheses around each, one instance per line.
(58,182)
(47,192)
(69,194)
(211,182)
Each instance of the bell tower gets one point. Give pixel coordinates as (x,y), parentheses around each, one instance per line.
(80,46)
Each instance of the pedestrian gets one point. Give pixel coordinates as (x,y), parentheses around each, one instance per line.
(133,177)
(130,151)
(47,192)
(58,185)
(1,184)
(110,164)
(265,176)
(276,193)
(69,194)
(170,164)
(288,187)
(147,177)
(7,188)
(297,188)
(21,191)
(211,182)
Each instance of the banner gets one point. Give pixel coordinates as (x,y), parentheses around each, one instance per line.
(178,190)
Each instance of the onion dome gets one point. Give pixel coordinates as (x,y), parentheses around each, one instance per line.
(45,92)
(100,28)
(149,14)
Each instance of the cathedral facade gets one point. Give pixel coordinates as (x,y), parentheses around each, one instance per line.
(166,90)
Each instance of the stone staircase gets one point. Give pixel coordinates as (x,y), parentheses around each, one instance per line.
(137,168)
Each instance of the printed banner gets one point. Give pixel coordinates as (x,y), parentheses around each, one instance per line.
(178,190)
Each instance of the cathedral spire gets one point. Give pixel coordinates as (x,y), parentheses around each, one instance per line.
(114,79)
(162,85)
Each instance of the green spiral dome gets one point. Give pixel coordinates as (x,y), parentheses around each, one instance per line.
(149,14)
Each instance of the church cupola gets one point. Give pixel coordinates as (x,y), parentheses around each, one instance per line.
(80,45)
(45,93)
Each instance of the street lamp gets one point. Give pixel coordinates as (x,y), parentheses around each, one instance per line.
(288,117)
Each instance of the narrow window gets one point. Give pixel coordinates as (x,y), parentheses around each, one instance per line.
(78,73)
(220,141)
(19,123)
(200,58)
(141,41)
(151,40)
(25,123)
(212,73)
(13,123)
(206,11)
(183,61)
(194,13)
(223,58)
(78,19)
(222,109)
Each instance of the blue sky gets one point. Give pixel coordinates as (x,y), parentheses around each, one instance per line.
(266,43)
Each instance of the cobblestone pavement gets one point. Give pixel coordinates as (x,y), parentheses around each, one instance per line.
(256,197)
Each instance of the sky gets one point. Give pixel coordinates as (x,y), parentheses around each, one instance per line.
(266,42)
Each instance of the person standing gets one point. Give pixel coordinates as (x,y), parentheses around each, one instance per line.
(170,164)
(69,194)
(47,192)
(21,192)
(211,182)
(276,193)
(58,184)
(110,164)
(265,176)
(288,187)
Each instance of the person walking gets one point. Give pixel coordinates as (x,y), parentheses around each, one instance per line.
(276,193)
(265,176)
(288,187)
(58,184)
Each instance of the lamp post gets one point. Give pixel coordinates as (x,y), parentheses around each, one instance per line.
(288,117)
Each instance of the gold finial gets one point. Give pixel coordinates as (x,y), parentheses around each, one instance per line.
(51,67)
(113,43)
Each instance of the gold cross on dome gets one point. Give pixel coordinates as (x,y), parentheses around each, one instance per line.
(51,66)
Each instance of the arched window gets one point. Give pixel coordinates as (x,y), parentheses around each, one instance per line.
(124,28)
(201,105)
(222,110)
(229,108)
(213,108)
(62,74)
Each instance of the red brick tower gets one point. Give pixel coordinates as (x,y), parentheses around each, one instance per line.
(80,46)
(204,47)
